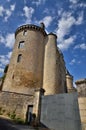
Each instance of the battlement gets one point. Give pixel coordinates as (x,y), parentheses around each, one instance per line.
(30,27)
(53,34)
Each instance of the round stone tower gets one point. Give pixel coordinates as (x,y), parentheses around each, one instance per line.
(69,82)
(25,70)
(53,82)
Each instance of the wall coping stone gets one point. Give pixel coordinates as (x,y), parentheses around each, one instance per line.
(80,81)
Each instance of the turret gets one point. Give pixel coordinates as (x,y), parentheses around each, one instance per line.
(53,82)
(69,82)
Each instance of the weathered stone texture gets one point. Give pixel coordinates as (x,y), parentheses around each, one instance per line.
(14,102)
(28,73)
(41,66)
(54,72)
(82,108)
(37,104)
(81,87)
(69,83)
(60,72)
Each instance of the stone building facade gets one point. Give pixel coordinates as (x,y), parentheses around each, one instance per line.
(36,65)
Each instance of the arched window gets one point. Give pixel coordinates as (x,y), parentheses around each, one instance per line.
(21,44)
(19,58)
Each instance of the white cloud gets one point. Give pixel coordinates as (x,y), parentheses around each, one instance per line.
(74,1)
(80,19)
(79,62)
(65,25)
(8,0)
(1,10)
(82,5)
(47,20)
(12,7)
(28,12)
(60,11)
(25,2)
(66,43)
(81,46)
(72,62)
(8,41)
(2,39)
(38,2)
(46,10)
(1,70)
(0,65)
(9,55)
(6,12)
(3,60)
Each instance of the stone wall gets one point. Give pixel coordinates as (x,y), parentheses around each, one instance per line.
(61,112)
(81,87)
(14,102)
(82,108)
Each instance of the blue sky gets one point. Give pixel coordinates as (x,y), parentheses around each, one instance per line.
(65,18)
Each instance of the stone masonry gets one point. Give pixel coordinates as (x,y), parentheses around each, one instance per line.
(14,102)
(81,88)
(36,66)
(41,64)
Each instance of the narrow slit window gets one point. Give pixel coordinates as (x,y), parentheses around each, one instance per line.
(19,58)
(25,32)
(21,44)
(13,76)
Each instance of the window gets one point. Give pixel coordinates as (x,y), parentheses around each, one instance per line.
(19,57)
(21,44)
(25,32)
(13,76)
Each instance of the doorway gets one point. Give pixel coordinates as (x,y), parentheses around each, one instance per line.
(29,114)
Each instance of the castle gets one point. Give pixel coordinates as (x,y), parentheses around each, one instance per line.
(36,62)
(36,66)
